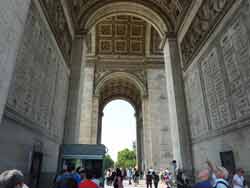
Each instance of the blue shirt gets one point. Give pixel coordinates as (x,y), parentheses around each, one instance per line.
(203,184)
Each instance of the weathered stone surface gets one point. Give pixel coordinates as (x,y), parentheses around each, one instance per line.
(40,82)
(159,125)
(180,133)
(12,20)
(208,15)
(222,91)
(195,104)
(58,22)
(85,136)
(17,150)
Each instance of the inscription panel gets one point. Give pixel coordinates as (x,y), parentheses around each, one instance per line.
(236,55)
(225,70)
(12,17)
(34,84)
(215,90)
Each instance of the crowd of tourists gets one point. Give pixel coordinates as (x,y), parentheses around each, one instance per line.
(210,177)
(130,174)
(219,177)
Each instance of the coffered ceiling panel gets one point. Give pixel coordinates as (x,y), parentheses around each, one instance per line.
(122,34)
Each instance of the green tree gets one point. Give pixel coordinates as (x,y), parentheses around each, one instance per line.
(126,158)
(108,162)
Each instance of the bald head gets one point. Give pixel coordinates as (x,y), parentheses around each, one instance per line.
(204,174)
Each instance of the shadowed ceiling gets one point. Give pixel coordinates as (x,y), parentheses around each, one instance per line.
(173,10)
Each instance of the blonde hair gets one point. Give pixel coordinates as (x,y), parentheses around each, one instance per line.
(224,171)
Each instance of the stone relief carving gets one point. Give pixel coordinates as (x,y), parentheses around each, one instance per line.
(37,76)
(102,72)
(215,89)
(235,45)
(226,75)
(56,18)
(207,17)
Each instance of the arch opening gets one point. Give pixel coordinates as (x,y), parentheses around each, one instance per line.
(122,86)
(118,126)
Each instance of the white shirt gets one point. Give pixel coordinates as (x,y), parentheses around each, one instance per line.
(239,180)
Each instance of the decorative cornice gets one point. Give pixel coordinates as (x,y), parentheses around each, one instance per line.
(25,122)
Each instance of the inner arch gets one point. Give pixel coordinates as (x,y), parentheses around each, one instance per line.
(122,85)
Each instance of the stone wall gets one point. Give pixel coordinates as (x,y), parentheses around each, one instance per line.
(158,120)
(13,14)
(37,98)
(218,92)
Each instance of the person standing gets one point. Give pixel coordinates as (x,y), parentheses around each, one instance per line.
(12,179)
(118,179)
(204,179)
(156,179)
(149,179)
(130,175)
(238,179)
(219,176)
(88,183)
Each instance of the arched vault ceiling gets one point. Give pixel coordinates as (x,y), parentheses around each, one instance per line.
(170,10)
(120,88)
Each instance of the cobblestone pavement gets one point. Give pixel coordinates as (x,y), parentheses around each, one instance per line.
(142,184)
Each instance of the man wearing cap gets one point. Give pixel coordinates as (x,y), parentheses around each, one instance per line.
(12,179)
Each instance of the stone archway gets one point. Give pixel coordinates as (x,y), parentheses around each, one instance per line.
(159,67)
(128,87)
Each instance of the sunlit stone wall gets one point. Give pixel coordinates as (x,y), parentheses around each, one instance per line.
(218,93)
(35,111)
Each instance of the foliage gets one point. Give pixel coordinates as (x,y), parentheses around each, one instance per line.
(126,158)
(108,162)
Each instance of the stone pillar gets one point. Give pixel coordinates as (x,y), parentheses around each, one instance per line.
(177,107)
(73,116)
(95,120)
(99,129)
(147,140)
(139,140)
(87,105)
(13,16)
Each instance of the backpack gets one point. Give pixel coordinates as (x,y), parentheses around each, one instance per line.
(221,182)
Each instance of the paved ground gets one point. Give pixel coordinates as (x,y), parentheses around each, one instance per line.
(142,184)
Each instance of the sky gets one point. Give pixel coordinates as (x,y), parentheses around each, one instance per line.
(118,127)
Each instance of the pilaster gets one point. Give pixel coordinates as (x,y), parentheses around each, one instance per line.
(177,106)
(73,118)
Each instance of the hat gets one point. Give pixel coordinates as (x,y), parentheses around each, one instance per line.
(11,178)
